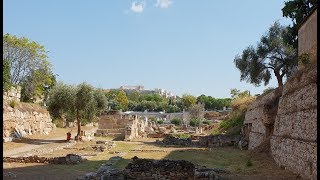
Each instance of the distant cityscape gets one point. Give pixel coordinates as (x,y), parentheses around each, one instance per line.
(142,90)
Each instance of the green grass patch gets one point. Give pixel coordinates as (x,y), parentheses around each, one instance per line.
(182,136)
(231,159)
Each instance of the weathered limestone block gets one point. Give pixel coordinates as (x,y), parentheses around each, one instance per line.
(303,98)
(255,139)
(294,155)
(298,125)
(21,120)
(258,127)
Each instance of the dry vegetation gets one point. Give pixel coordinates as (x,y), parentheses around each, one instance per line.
(233,160)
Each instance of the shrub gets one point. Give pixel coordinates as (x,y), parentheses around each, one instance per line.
(195,122)
(304,59)
(153,119)
(236,118)
(58,122)
(160,121)
(13,103)
(248,163)
(207,122)
(176,121)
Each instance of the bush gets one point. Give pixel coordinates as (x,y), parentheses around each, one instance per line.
(176,121)
(195,122)
(236,118)
(160,121)
(152,119)
(248,163)
(58,122)
(13,103)
(207,122)
(304,59)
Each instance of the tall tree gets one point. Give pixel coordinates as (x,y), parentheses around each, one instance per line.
(82,103)
(272,54)
(188,100)
(29,65)
(297,10)
(122,100)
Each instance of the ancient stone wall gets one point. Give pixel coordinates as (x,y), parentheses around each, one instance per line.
(14,93)
(294,141)
(25,119)
(137,128)
(308,37)
(219,140)
(260,117)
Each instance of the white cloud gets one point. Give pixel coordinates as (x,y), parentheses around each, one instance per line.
(137,7)
(163,3)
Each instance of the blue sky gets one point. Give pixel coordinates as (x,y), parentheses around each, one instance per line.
(178,45)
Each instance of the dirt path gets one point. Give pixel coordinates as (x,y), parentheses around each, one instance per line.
(39,146)
(34,148)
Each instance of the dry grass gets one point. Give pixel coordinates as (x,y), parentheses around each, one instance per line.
(230,159)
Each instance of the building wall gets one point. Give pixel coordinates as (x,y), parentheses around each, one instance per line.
(307,42)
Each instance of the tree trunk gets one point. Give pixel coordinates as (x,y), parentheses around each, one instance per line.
(279,79)
(78,124)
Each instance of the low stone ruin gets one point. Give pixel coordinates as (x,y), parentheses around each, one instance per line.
(219,140)
(154,169)
(68,159)
(171,140)
(103,145)
(159,169)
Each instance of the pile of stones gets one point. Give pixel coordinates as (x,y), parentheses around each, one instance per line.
(68,159)
(103,145)
(154,169)
(159,169)
(105,171)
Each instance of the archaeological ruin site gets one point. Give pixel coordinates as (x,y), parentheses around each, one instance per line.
(277,138)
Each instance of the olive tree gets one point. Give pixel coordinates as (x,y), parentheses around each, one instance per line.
(271,55)
(82,103)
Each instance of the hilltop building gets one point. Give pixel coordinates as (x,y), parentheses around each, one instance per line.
(140,89)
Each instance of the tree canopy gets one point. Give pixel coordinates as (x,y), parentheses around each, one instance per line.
(29,66)
(271,55)
(188,100)
(82,103)
(297,10)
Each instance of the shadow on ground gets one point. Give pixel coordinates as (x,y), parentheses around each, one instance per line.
(37,141)
(48,171)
